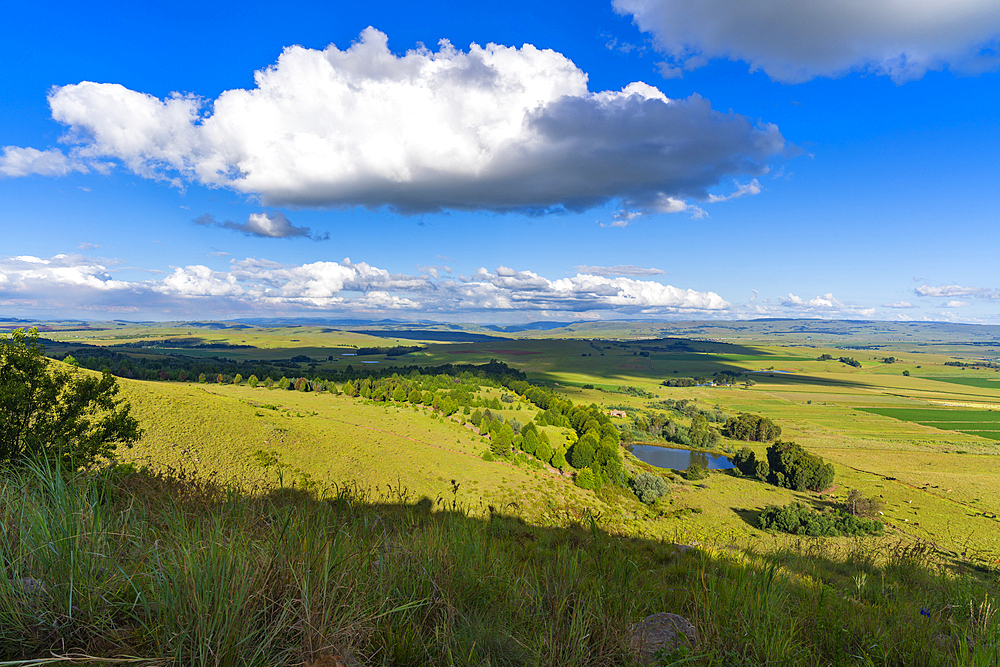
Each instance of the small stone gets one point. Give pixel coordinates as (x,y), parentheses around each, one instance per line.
(661,632)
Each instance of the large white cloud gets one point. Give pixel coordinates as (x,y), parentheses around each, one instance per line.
(797,40)
(493,128)
(28,274)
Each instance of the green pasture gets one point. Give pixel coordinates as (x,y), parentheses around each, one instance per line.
(985,383)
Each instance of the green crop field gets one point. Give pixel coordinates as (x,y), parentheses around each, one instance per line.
(986,383)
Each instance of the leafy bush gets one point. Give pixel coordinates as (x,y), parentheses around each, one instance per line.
(746,462)
(649,487)
(798,519)
(794,468)
(751,427)
(858,505)
(694,472)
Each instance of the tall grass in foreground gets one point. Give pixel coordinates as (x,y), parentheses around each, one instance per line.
(127,566)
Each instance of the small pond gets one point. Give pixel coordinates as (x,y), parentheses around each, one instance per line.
(679,459)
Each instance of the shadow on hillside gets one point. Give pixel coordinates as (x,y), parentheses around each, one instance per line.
(390,578)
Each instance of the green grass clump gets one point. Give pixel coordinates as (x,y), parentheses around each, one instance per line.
(125,565)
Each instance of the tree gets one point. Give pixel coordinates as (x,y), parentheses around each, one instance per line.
(502,440)
(238,379)
(793,467)
(543,451)
(699,431)
(582,454)
(558,459)
(585,479)
(253,381)
(529,443)
(50,412)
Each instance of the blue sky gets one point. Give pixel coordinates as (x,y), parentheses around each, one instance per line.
(637,158)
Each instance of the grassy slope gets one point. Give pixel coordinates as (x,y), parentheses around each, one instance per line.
(336,440)
(943,480)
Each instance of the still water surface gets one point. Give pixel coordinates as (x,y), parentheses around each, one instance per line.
(679,459)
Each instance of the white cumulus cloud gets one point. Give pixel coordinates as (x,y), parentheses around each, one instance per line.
(797,40)
(493,128)
(26,161)
(824,302)
(26,273)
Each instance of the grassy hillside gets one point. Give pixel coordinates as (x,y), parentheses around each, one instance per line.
(125,567)
(413,498)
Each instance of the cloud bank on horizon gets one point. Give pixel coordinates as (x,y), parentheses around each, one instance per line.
(795,41)
(493,128)
(76,282)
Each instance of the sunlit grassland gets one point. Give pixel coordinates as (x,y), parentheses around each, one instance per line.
(335,440)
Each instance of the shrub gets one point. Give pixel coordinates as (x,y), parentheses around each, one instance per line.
(648,487)
(751,427)
(858,505)
(238,379)
(694,472)
(793,467)
(798,519)
(253,381)
(746,462)
(529,442)
(543,451)
(558,459)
